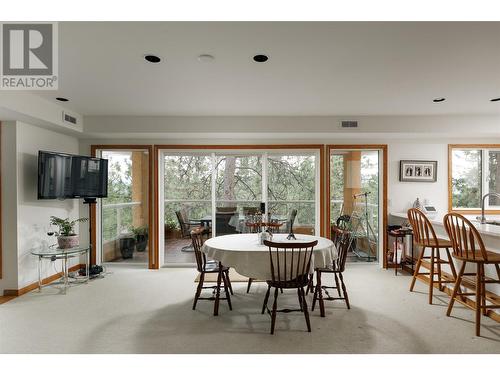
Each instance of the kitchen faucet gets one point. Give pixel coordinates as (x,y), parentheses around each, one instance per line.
(482,218)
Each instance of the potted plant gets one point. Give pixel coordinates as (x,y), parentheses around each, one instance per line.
(141,238)
(66,236)
(127,245)
(170,227)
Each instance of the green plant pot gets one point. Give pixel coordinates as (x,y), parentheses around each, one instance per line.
(127,246)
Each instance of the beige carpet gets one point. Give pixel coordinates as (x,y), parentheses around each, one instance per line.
(234,276)
(135,310)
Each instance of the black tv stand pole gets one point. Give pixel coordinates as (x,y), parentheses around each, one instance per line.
(90,202)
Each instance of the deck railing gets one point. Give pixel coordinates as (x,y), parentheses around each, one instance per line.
(117,209)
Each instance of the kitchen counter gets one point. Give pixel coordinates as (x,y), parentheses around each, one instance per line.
(490,235)
(483,229)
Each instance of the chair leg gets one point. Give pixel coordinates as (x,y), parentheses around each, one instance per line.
(337,284)
(217,292)
(300,299)
(452,264)
(249,284)
(310,284)
(229,283)
(198,290)
(478,300)
(315,297)
(273,314)
(266,298)
(431,277)
(417,269)
(344,289)
(226,290)
(456,288)
(306,312)
(439,273)
(320,295)
(483,291)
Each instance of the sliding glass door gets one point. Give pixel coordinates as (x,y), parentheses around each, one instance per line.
(292,185)
(187,192)
(218,189)
(355,199)
(124,230)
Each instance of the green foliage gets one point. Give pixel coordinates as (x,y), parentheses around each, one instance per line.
(369,183)
(171,224)
(119,191)
(466,178)
(139,231)
(66,226)
(188,181)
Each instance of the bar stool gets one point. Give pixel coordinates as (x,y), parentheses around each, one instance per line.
(425,237)
(468,246)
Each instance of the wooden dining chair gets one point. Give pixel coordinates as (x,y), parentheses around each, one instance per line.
(468,247)
(290,264)
(425,237)
(341,239)
(203,266)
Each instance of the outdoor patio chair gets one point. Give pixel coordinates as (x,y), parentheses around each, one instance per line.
(186,227)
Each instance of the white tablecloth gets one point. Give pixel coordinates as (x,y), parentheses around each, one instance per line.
(244,253)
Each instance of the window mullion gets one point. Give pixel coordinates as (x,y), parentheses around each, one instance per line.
(265,180)
(214,181)
(484,176)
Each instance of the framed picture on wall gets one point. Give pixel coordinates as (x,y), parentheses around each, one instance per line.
(417,171)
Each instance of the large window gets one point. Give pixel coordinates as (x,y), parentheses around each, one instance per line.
(292,185)
(219,188)
(475,171)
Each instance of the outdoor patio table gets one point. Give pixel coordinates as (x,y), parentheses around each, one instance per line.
(244,253)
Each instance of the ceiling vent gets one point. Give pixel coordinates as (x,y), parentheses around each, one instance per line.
(69,119)
(348,124)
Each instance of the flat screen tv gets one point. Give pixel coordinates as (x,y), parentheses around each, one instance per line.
(63,176)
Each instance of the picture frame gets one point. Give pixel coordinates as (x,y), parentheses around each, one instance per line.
(417,171)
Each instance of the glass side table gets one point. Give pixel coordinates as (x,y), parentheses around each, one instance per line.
(54,253)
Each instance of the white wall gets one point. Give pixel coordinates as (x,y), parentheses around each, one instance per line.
(402,194)
(33,214)
(9,207)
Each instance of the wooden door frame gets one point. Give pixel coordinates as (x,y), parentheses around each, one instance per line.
(1,222)
(355,147)
(152,263)
(158,148)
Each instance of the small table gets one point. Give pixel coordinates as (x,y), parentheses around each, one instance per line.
(399,236)
(54,253)
(249,258)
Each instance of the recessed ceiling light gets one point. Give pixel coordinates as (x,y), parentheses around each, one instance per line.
(62,99)
(260,58)
(152,58)
(495,100)
(438,100)
(206,58)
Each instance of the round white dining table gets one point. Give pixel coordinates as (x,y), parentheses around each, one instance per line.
(248,257)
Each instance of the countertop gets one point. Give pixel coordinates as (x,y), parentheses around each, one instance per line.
(484,229)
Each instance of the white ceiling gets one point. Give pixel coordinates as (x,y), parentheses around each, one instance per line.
(331,68)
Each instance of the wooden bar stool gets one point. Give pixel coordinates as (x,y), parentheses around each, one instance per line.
(425,237)
(468,246)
